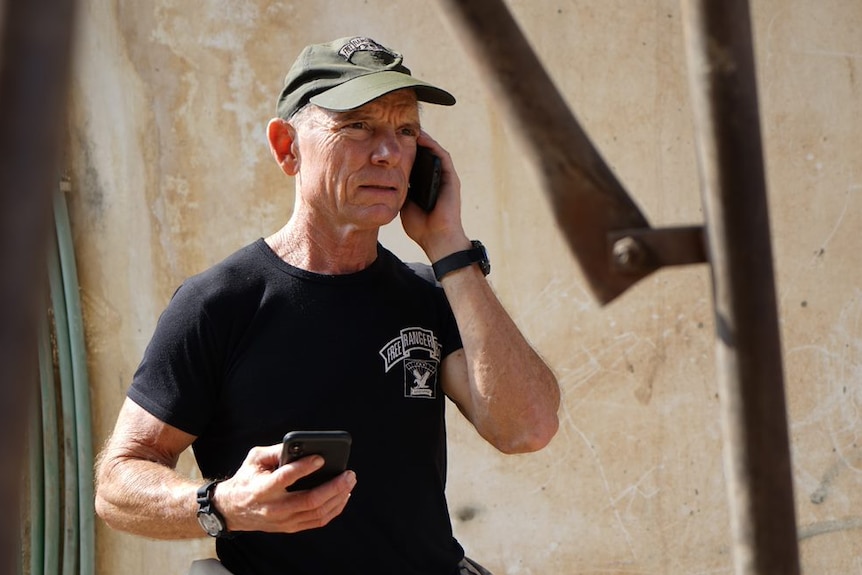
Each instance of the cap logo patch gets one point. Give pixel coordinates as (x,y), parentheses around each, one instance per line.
(361,44)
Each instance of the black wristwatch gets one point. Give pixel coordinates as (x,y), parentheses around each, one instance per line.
(462,259)
(208,516)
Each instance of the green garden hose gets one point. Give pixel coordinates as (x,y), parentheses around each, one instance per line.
(67,400)
(62,515)
(50,456)
(80,388)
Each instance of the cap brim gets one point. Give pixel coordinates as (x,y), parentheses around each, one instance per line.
(359,91)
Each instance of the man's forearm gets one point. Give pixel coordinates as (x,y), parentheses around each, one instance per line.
(147,498)
(513,395)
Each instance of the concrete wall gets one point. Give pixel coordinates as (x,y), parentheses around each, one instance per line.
(171,173)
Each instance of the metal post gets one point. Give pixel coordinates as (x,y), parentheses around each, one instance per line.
(590,204)
(35,46)
(756,446)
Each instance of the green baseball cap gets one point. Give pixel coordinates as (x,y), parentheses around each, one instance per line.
(347,73)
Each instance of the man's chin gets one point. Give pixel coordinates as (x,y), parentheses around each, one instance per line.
(377,215)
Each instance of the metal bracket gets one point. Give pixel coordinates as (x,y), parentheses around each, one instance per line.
(644,250)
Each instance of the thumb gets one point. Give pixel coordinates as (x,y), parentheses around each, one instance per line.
(263,457)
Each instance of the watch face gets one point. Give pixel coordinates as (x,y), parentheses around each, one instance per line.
(211,524)
(484,263)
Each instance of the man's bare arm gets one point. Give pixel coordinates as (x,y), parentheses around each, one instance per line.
(137,487)
(139,490)
(497,380)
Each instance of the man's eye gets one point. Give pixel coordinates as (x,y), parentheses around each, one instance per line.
(356,126)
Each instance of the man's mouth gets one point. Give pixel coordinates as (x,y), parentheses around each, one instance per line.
(380,187)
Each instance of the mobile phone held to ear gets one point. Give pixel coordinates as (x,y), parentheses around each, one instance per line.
(425,179)
(333,446)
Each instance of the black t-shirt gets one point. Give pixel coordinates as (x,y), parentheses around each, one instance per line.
(254,347)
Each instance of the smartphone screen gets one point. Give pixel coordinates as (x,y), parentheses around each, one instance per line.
(333,446)
(425,179)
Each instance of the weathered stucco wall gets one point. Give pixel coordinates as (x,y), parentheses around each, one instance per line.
(171,173)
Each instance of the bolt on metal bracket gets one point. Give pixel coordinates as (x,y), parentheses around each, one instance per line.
(645,250)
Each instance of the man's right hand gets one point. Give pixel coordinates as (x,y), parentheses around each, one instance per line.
(255,498)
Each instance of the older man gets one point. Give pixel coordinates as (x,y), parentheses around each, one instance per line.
(320,327)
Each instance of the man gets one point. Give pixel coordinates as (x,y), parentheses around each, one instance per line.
(319,327)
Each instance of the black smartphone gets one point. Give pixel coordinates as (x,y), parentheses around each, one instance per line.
(333,446)
(425,179)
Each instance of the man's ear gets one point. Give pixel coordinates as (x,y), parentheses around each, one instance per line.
(282,144)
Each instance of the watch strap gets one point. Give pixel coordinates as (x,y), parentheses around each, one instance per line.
(475,255)
(206,506)
(205,493)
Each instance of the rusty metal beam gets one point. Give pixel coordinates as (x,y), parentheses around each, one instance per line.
(587,200)
(754,421)
(35,46)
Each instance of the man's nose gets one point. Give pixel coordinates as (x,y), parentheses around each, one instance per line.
(387,148)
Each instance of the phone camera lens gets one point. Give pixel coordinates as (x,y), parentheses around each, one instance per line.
(296,448)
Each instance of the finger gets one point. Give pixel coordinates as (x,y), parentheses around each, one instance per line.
(343,483)
(264,457)
(290,473)
(317,507)
(426,140)
(318,518)
(323,495)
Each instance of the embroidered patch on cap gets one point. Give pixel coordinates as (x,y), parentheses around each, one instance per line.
(361,44)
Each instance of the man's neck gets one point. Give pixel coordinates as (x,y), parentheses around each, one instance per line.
(332,252)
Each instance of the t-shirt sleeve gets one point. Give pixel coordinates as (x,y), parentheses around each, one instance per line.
(178,378)
(451,335)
